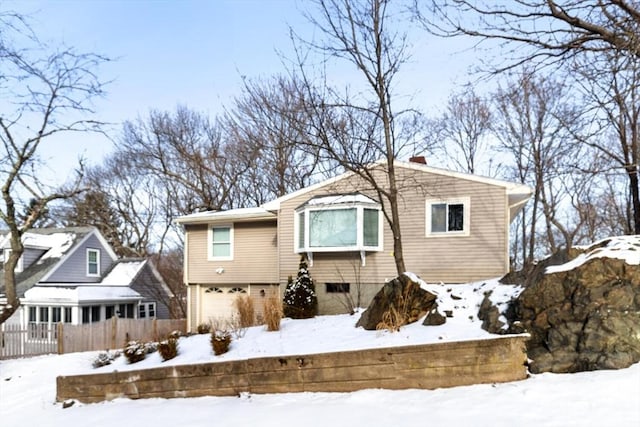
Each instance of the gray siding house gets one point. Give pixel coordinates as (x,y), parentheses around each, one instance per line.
(72,275)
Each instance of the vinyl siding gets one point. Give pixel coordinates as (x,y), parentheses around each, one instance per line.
(254,257)
(74,268)
(482,254)
(147,285)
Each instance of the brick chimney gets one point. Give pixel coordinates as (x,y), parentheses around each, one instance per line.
(418,159)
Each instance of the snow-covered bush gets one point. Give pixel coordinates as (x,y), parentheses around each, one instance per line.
(300,300)
(168,348)
(105,358)
(220,341)
(204,328)
(136,351)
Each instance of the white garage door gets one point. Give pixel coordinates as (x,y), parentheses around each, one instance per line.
(217,302)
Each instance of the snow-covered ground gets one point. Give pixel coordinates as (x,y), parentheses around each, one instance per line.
(602,398)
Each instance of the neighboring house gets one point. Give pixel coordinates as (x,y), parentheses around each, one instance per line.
(455,229)
(72,275)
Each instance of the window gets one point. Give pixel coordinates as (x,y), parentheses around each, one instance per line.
(56,314)
(147,310)
(447,217)
(109,311)
(93,262)
(142,311)
(32,314)
(337,288)
(221,243)
(125,311)
(152,309)
(67,315)
(338,223)
(91,314)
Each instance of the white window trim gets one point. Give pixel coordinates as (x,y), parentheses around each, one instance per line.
(359,246)
(465,201)
(210,243)
(97,251)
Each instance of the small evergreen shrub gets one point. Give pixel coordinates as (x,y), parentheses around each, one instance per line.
(168,348)
(105,358)
(135,351)
(272,312)
(220,341)
(204,328)
(300,300)
(246,311)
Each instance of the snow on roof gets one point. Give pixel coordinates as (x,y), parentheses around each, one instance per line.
(231,214)
(123,273)
(79,293)
(340,198)
(626,248)
(56,244)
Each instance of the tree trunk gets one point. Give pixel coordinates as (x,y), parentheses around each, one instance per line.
(632,173)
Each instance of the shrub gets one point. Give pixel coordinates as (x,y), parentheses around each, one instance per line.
(300,300)
(220,341)
(204,328)
(272,312)
(168,348)
(246,311)
(105,358)
(135,351)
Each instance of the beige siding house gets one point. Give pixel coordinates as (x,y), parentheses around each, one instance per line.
(455,229)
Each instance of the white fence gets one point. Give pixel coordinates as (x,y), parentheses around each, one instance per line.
(32,340)
(36,339)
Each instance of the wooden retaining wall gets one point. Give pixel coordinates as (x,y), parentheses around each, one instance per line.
(421,366)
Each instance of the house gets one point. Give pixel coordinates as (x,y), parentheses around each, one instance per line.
(72,275)
(455,229)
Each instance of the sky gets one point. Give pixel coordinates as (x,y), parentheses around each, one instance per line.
(196,53)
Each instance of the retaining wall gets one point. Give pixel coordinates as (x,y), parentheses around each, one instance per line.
(421,366)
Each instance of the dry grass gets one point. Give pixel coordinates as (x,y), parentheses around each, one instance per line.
(246,311)
(272,312)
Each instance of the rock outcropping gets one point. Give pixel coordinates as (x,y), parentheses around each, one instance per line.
(400,301)
(584,314)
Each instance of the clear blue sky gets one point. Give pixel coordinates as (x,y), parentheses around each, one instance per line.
(194,52)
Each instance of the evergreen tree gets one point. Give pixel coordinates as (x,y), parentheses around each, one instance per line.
(300,300)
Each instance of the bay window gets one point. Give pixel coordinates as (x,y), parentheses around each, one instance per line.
(338,224)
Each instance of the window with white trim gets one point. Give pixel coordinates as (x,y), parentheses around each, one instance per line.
(221,242)
(449,217)
(93,262)
(147,310)
(338,223)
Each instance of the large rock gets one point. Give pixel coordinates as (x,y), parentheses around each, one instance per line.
(403,299)
(584,319)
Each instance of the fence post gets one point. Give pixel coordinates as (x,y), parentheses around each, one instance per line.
(114,331)
(60,336)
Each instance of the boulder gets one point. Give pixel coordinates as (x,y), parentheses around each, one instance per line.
(586,317)
(400,301)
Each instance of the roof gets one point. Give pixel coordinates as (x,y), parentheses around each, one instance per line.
(56,242)
(236,215)
(84,293)
(123,272)
(518,195)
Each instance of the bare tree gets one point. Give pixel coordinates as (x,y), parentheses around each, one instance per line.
(269,118)
(45,91)
(356,128)
(534,123)
(596,41)
(461,132)
(612,89)
(538,31)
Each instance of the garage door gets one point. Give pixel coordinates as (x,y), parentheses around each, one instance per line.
(217,302)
